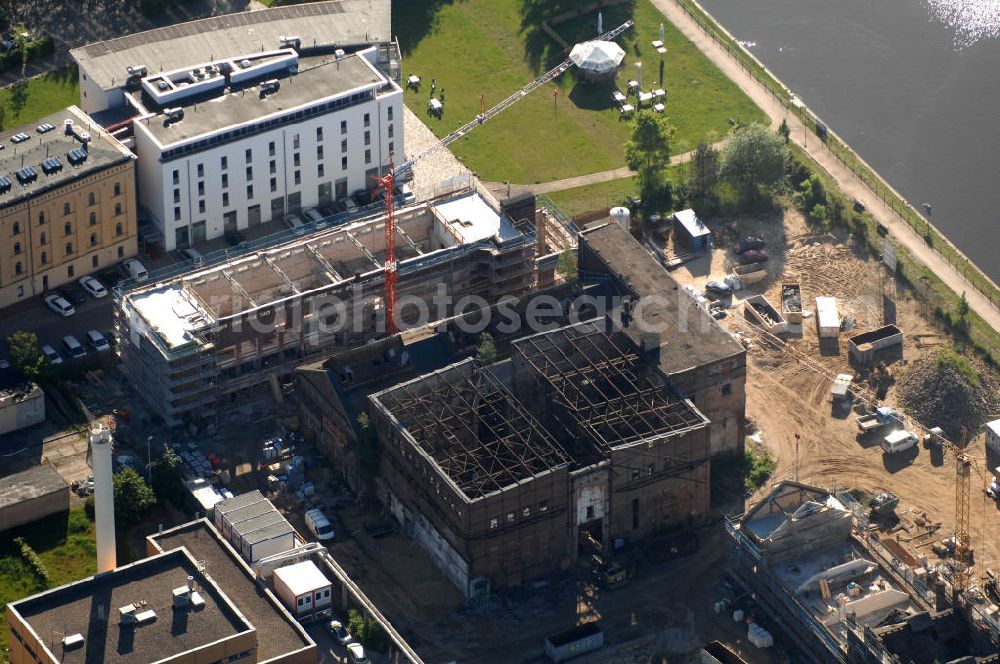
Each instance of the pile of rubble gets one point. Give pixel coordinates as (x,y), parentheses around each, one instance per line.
(937,392)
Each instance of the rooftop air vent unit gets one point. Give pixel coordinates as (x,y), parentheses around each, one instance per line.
(136,70)
(77,156)
(270,86)
(126,614)
(246,64)
(290,41)
(146,616)
(182,596)
(174,114)
(5,184)
(68,126)
(45,128)
(27,175)
(51,165)
(72,641)
(84,137)
(19,137)
(197,601)
(339,54)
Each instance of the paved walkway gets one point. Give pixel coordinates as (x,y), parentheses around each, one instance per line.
(850,184)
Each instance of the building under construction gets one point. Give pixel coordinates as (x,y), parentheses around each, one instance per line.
(190,342)
(500,471)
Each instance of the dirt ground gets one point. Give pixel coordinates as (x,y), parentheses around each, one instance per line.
(788,391)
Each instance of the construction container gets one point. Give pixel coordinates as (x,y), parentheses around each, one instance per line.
(267,541)
(304,590)
(232,519)
(791,303)
(866,348)
(235,503)
(758,310)
(827,317)
(204,495)
(574,641)
(993,436)
(750,274)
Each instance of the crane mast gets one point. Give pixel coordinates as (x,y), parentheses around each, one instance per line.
(387,183)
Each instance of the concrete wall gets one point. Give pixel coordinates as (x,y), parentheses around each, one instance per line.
(23,412)
(28,511)
(718,390)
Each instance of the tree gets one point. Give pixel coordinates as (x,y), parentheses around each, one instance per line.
(486,352)
(704,171)
(963,306)
(754,158)
(567,264)
(784,131)
(368,450)
(132,496)
(648,153)
(166,478)
(28,359)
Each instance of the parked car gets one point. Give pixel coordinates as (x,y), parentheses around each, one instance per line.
(404,192)
(74,349)
(194,256)
(899,440)
(294,222)
(112,276)
(340,633)
(72,293)
(94,287)
(313,216)
(347,205)
(749,244)
(356,653)
(319,525)
(136,270)
(52,354)
(59,304)
(362,197)
(97,340)
(112,337)
(754,256)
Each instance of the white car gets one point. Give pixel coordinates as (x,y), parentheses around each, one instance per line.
(136,270)
(340,632)
(357,654)
(51,353)
(58,304)
(294,222)
(98,341)
(93,287)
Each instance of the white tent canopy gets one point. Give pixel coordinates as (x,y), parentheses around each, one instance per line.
(597,57)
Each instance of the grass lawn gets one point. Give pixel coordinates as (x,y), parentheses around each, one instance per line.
(64,542)
(479,47)
(579,200)
(28,101)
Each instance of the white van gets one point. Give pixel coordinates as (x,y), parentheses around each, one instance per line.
(194,256)
(136,270)
(98,341)
(319,525)
(74,349)
(899,440)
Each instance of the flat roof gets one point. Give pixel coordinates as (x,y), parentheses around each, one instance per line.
(302,578)
(250,526)
(471,219)
(319,24)
(102,151)
(316,80)
(281,634)
(75,607)
(236,517)
(692,338)
(35,482)
(278,529)
(240,501)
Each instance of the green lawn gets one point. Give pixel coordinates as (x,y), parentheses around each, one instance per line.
(36,97)
(64,542)
(579,200)
(478,47)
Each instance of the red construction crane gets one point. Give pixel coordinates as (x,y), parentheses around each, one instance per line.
(387,183)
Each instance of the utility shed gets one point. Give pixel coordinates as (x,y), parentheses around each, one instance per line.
(31,495)
(993,436)
(690,232)
(827,318)
(304,589)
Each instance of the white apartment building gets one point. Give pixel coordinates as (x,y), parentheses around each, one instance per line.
(252,138)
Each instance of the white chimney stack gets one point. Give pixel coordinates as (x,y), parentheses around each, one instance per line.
(104,496)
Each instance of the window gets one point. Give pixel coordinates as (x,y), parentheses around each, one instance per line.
(93,218)
(543,506)
(18,268)
(319,151)
(343,163)
(44,258)
(118,209)
(66,208)
(368,119)
(250,191)
(121,254)
(343,127)
(177,195)
(225,199)
(91,199)
(368,138)
(526,512)
(295,159)
(17,228)
(343,145)
(177,177)
(41,239)
(201,170)
(201,207)
(274,185)
(94,262)
(17,248)
(118,229)
(368,156)
(319,133)
(392,148)
(67,228)
(635,473)
(224,163)
(389,113)
(249,173)
(270,149)
(249,154)
(177,213)
(41,218)
(651,469)
(93,239)
(494,522)
(273,167)
(201,188)
(298,177)
(319,171)
(117,189)
(69,248)
(225,180)
(590,511)
(295,142)
(70,271)
(510,517)
(390,131)
(727,388)
(635,513)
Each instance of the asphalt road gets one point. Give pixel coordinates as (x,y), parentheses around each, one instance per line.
(34,316)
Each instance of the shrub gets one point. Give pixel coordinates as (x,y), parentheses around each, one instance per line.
(365,630)
(31,558)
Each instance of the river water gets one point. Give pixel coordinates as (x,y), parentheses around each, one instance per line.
(912,85)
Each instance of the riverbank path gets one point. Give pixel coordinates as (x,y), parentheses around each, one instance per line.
(849,183)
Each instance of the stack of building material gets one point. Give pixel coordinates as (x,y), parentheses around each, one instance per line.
(759,636)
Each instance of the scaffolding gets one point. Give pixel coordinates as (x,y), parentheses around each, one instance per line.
(473,428)
(602,385)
